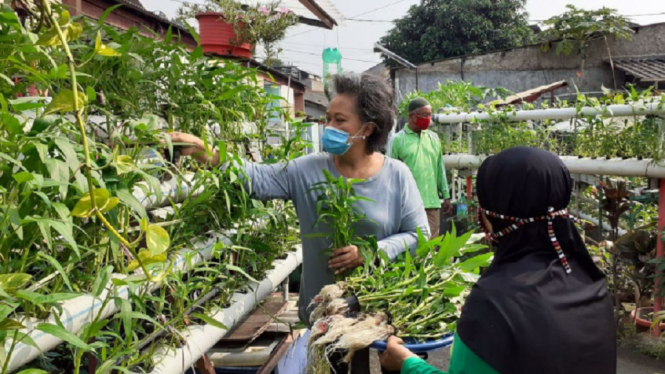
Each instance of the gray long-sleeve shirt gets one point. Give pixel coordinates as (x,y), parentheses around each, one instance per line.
(392,217)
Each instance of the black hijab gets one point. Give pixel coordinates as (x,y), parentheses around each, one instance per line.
(526,314)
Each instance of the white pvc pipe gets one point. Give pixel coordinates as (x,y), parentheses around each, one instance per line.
(620,167)
(81,310)
(594,220)
(174,190)
(201,338)
(557,113)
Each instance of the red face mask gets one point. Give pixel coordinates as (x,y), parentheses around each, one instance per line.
(423,122)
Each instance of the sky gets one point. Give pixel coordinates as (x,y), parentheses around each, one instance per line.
(304,44)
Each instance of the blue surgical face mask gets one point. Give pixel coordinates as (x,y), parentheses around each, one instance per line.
(335,140)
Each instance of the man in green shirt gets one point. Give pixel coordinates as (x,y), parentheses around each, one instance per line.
(420,149)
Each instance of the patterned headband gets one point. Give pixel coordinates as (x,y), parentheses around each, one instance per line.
(519,222)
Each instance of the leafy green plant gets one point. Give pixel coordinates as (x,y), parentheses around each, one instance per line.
(430,284)
(72,168)
(573,30)
(338,214)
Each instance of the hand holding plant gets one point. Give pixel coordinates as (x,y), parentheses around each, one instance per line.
(346,258)
(198,148)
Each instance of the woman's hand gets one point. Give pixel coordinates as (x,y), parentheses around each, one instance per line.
(196,148)
(395,355)
(345,258)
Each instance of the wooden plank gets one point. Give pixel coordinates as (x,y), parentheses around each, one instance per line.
(277,355)
(255,323)
(204,366)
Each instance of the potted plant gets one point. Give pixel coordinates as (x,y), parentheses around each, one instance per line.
(228,28)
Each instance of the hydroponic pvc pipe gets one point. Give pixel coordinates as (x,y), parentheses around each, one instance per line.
(201,338)
(593,220)
(616,166)
(173,190)
(81,310)
(558,113)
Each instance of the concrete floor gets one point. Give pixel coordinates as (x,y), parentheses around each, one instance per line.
(628,362)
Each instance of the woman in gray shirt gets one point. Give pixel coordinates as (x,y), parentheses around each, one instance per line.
(358,121)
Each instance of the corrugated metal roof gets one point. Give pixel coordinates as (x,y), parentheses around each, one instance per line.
(298,8)
(645,68)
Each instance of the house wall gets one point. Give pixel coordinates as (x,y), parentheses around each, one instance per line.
(524,68)
(314,110)
(125,17)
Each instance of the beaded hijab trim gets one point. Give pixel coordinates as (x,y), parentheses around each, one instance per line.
(519,222)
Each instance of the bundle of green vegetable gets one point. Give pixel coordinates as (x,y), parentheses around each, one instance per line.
(336,209)
(417,297)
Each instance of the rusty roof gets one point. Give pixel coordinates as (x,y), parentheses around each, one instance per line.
(645,68)
(532,94)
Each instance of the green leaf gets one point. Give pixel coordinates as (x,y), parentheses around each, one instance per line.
(450,248)
(157,240)
(453,291)
(474,263)
(64,335)
(106,13)
(103,201)
(145,317)
(194,34)
(38,299)
(68,152)
(59,172)
(64,102)
(124,164)
(210,321)
(128,199)
(241,271)
(92,95)
(147,259)
(168,36)
(104,50)
(7,79)
(11,123)
(42,150)
(12,282)
(33,371)
(23,176)
(62,210)
(65,229)
(125,314)
(102,280)
(57,267)
(230,94)
(10,325)
(71,32)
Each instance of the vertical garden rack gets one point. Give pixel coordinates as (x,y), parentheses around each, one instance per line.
(199,338)
(618,167)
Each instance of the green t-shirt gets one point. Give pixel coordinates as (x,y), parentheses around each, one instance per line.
(422,154)
(462,361)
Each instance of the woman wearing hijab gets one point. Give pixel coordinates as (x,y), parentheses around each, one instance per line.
(358,121)
(542,306)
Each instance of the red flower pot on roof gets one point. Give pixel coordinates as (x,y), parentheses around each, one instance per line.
(219,37)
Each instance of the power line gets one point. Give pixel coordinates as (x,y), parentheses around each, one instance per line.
(316,54)
(351,18)
(318,49)
(375,9)
(322,46)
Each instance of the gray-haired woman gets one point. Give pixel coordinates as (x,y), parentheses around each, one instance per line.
(358,121)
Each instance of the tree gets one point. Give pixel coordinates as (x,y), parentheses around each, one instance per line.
(437,29)
(575,29)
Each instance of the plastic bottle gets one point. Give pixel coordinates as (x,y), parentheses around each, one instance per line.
(462,207)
